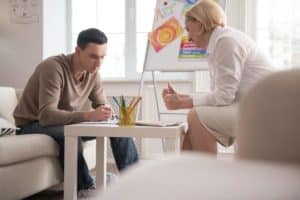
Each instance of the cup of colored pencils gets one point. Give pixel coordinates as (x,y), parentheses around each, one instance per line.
(127,112)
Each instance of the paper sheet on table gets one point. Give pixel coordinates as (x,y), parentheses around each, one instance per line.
(103,122)
(156,123)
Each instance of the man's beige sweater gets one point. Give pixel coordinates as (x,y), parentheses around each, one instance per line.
(53,97)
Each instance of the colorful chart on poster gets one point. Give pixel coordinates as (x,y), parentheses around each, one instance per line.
(188,50)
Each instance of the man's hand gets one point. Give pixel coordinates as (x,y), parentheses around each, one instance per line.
(101,113)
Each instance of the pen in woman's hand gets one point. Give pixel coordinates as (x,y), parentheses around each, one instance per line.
(170,88)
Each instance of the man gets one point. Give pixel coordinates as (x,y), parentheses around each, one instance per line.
(56,92)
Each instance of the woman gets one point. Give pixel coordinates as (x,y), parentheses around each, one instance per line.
(234,63)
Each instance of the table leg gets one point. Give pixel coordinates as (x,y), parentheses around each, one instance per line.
(172,144)
(101,157)
(70,171)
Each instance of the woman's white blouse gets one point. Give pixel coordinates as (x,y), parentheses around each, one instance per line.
(235,64)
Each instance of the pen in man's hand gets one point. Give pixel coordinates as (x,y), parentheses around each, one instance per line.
(115,117)
(116,101)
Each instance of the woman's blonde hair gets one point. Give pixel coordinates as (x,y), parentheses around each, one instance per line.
(208,13)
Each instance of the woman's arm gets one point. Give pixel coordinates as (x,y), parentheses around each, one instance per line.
(227,63)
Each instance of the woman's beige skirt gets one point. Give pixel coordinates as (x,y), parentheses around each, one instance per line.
(220,121)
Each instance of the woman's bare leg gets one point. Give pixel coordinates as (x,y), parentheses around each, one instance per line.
(186,145)
(198,137)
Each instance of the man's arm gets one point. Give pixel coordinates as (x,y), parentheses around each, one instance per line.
(51,82)
(97,96)
(99,102)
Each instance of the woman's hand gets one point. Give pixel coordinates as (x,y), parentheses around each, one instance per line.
(170,97)
(168,90)
(174,100)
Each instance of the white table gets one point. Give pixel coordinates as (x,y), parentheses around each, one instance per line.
(101,132)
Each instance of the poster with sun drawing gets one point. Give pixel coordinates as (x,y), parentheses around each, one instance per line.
(169,48)
(165,34)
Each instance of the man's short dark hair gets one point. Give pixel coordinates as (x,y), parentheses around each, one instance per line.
(91,35)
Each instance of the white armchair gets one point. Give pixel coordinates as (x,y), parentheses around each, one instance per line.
(269,122)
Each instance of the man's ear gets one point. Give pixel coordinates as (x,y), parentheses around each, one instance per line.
(77,50)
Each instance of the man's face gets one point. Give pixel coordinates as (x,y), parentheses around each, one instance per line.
(91,58)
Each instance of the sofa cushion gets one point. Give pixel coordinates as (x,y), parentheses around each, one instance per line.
(8,102)
(18,148)
(6,127)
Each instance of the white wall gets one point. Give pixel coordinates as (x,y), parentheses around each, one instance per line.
(21,48)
